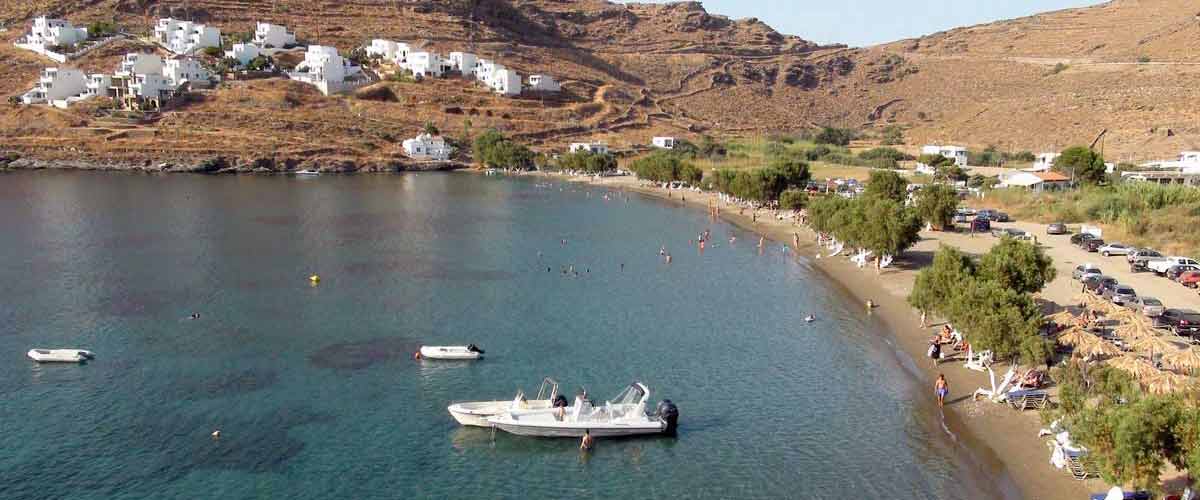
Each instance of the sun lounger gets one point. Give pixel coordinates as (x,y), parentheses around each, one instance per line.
(1081,467)
(997,392)
(978,361)
(1028,399)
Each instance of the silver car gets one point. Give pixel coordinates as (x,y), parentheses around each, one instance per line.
(1120,294)
(1148,306)
(1115,249)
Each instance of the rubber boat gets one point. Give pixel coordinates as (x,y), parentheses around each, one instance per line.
(475,413)
(60,355)
(469,351)
(624,415)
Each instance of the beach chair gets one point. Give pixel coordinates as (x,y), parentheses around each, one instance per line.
(1022,400)
(978,361)
(1081,467)
(997,392)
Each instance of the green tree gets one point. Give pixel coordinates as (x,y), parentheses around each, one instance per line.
(951,172)
(793,199)
(934,161)
(430,129)
(936,204)
(1133,441)
(886,185)
(666,166)
(996,318)
(494,150)
(937,284)
(835,136)
(887,226)
(1017,265)
(822,212)
(1081,164)
(586,161)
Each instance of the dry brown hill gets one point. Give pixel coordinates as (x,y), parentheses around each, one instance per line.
(636,70)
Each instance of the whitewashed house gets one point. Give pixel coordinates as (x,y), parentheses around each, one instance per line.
(243,53)
(427,148)
(185,37)
(663,142)
(56,84)
(186,69)
(1043,163)
(956,153)
(324,68)
(47,34)
(589,147)
(424,64)
(543,83)
(140,63)
(1036,181)
(1185,160)
(267,35)
(484,68)
(149,90)
(506,82)
(97,85)
(464,63)
(385,49)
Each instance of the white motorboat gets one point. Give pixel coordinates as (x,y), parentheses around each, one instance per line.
(308,171)
(624,415)
(459,352)
(475,413)
(60,355)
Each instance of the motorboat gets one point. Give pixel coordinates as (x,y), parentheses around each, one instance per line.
(459,352)
(624,415)
(60,355)
(308,171)
(475,413)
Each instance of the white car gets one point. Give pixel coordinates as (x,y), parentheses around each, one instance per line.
(1161,266)
(1115,249)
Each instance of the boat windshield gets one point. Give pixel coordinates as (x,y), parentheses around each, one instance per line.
(631,395)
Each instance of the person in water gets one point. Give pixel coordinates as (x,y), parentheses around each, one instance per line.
(941,388)
(587,442)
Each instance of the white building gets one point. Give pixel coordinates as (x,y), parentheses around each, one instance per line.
(506,82)
(185,37)
(425,64)
(267,35)
(140,63)
(590,147)
(328,71)
(1186,160)
(427,147)
(150,88)
(385,49)
(1036,181)
(97,85)
(484,68)
(1043,163)
(56,84)
(663,142)
(543,83)
(463,62)
(49,32)
(956,153)
(186,69)
(243,52)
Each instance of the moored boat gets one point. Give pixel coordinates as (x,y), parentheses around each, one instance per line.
(476,413)
(308,171)
(60,355)
(451,352)
(624,415)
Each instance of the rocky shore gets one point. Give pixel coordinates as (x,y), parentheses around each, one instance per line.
(231,165)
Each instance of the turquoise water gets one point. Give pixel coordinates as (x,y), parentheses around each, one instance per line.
(315,390)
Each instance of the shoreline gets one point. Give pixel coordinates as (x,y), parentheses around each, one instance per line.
(995,437)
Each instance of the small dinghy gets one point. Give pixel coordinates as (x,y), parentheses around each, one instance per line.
(476,413)
(60,355)
(469,351)
(308,171)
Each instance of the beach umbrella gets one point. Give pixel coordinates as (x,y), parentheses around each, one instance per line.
(1153,343)
(1135,329)
(1063,318)
(1076,337)
(1124,314)
(1166,383)
(1098,349)
(1182,359)
(1134,365)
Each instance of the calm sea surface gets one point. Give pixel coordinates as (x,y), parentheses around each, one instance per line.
(315,390)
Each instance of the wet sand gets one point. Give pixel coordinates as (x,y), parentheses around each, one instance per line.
(998,437)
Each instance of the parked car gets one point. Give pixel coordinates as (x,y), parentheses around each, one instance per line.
(986,213)
(1174,272)
(1161,266)
(1092,245)
(981,225)
(1148,306)
(1056,228)
(1180,321)
(1120,294)
(962,217)
(1097,284)
(1084,270)
(1001,217)
(1142,253)
(1190,279)
(1115,249)
(1077,239)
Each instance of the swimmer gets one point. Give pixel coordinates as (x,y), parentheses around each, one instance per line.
(662,250)
(587,442)
(810,318)
(195,316)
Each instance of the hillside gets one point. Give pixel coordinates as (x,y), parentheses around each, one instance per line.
(637,70)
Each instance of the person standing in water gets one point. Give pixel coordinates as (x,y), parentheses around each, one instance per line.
(587,442)
(941,388)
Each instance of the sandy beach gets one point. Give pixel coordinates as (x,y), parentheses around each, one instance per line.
(999,436)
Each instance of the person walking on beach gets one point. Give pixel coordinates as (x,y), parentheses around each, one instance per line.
(941,388)
(935,350)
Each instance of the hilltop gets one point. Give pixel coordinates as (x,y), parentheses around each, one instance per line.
(631,71)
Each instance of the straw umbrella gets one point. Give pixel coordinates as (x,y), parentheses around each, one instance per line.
(1135,329)
(1153,343)
(1166,383)
(1124,314)
(1076,337)
(1063,318)
(1182,359)
(1099,349)
(1133,365)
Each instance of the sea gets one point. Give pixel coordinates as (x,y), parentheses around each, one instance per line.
(314,387)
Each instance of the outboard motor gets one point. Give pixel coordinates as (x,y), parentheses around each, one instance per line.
(669,413)
(474,348)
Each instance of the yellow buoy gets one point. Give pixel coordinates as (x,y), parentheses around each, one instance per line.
(314,278)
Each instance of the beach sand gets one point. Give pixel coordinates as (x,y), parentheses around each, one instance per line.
(998,436)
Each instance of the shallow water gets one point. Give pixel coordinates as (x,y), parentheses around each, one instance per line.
(315,390)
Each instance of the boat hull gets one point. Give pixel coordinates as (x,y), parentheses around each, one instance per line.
(476,413)
(447,353)
(574,431)
(59,355)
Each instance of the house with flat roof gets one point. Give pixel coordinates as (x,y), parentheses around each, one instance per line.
(427,147)
(425,64)
(324,68)
(180,70)
(956,153)
(463,62)
(589,147)
(267,35)
(506,82)
(243,53)
(663,142)
(543,83)
(1037,181)
(1043,162)
(48,34)
(138,62)
(185,37)
(56,84)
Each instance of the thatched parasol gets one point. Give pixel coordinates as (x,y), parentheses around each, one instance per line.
(1153,343)
(1098,349)
(1124,314)
(1063,318)
(1167,383)
(1133,365)
(1182,359)
(1135,329)
(1077,337)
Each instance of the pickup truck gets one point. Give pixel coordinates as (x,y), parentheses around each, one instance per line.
(1160,266)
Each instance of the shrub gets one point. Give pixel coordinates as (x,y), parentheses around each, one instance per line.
(835,136)
(493,149)
(666,166)
(793,199)
(1082,164)
(213,52)
(586,161)
(885,153)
